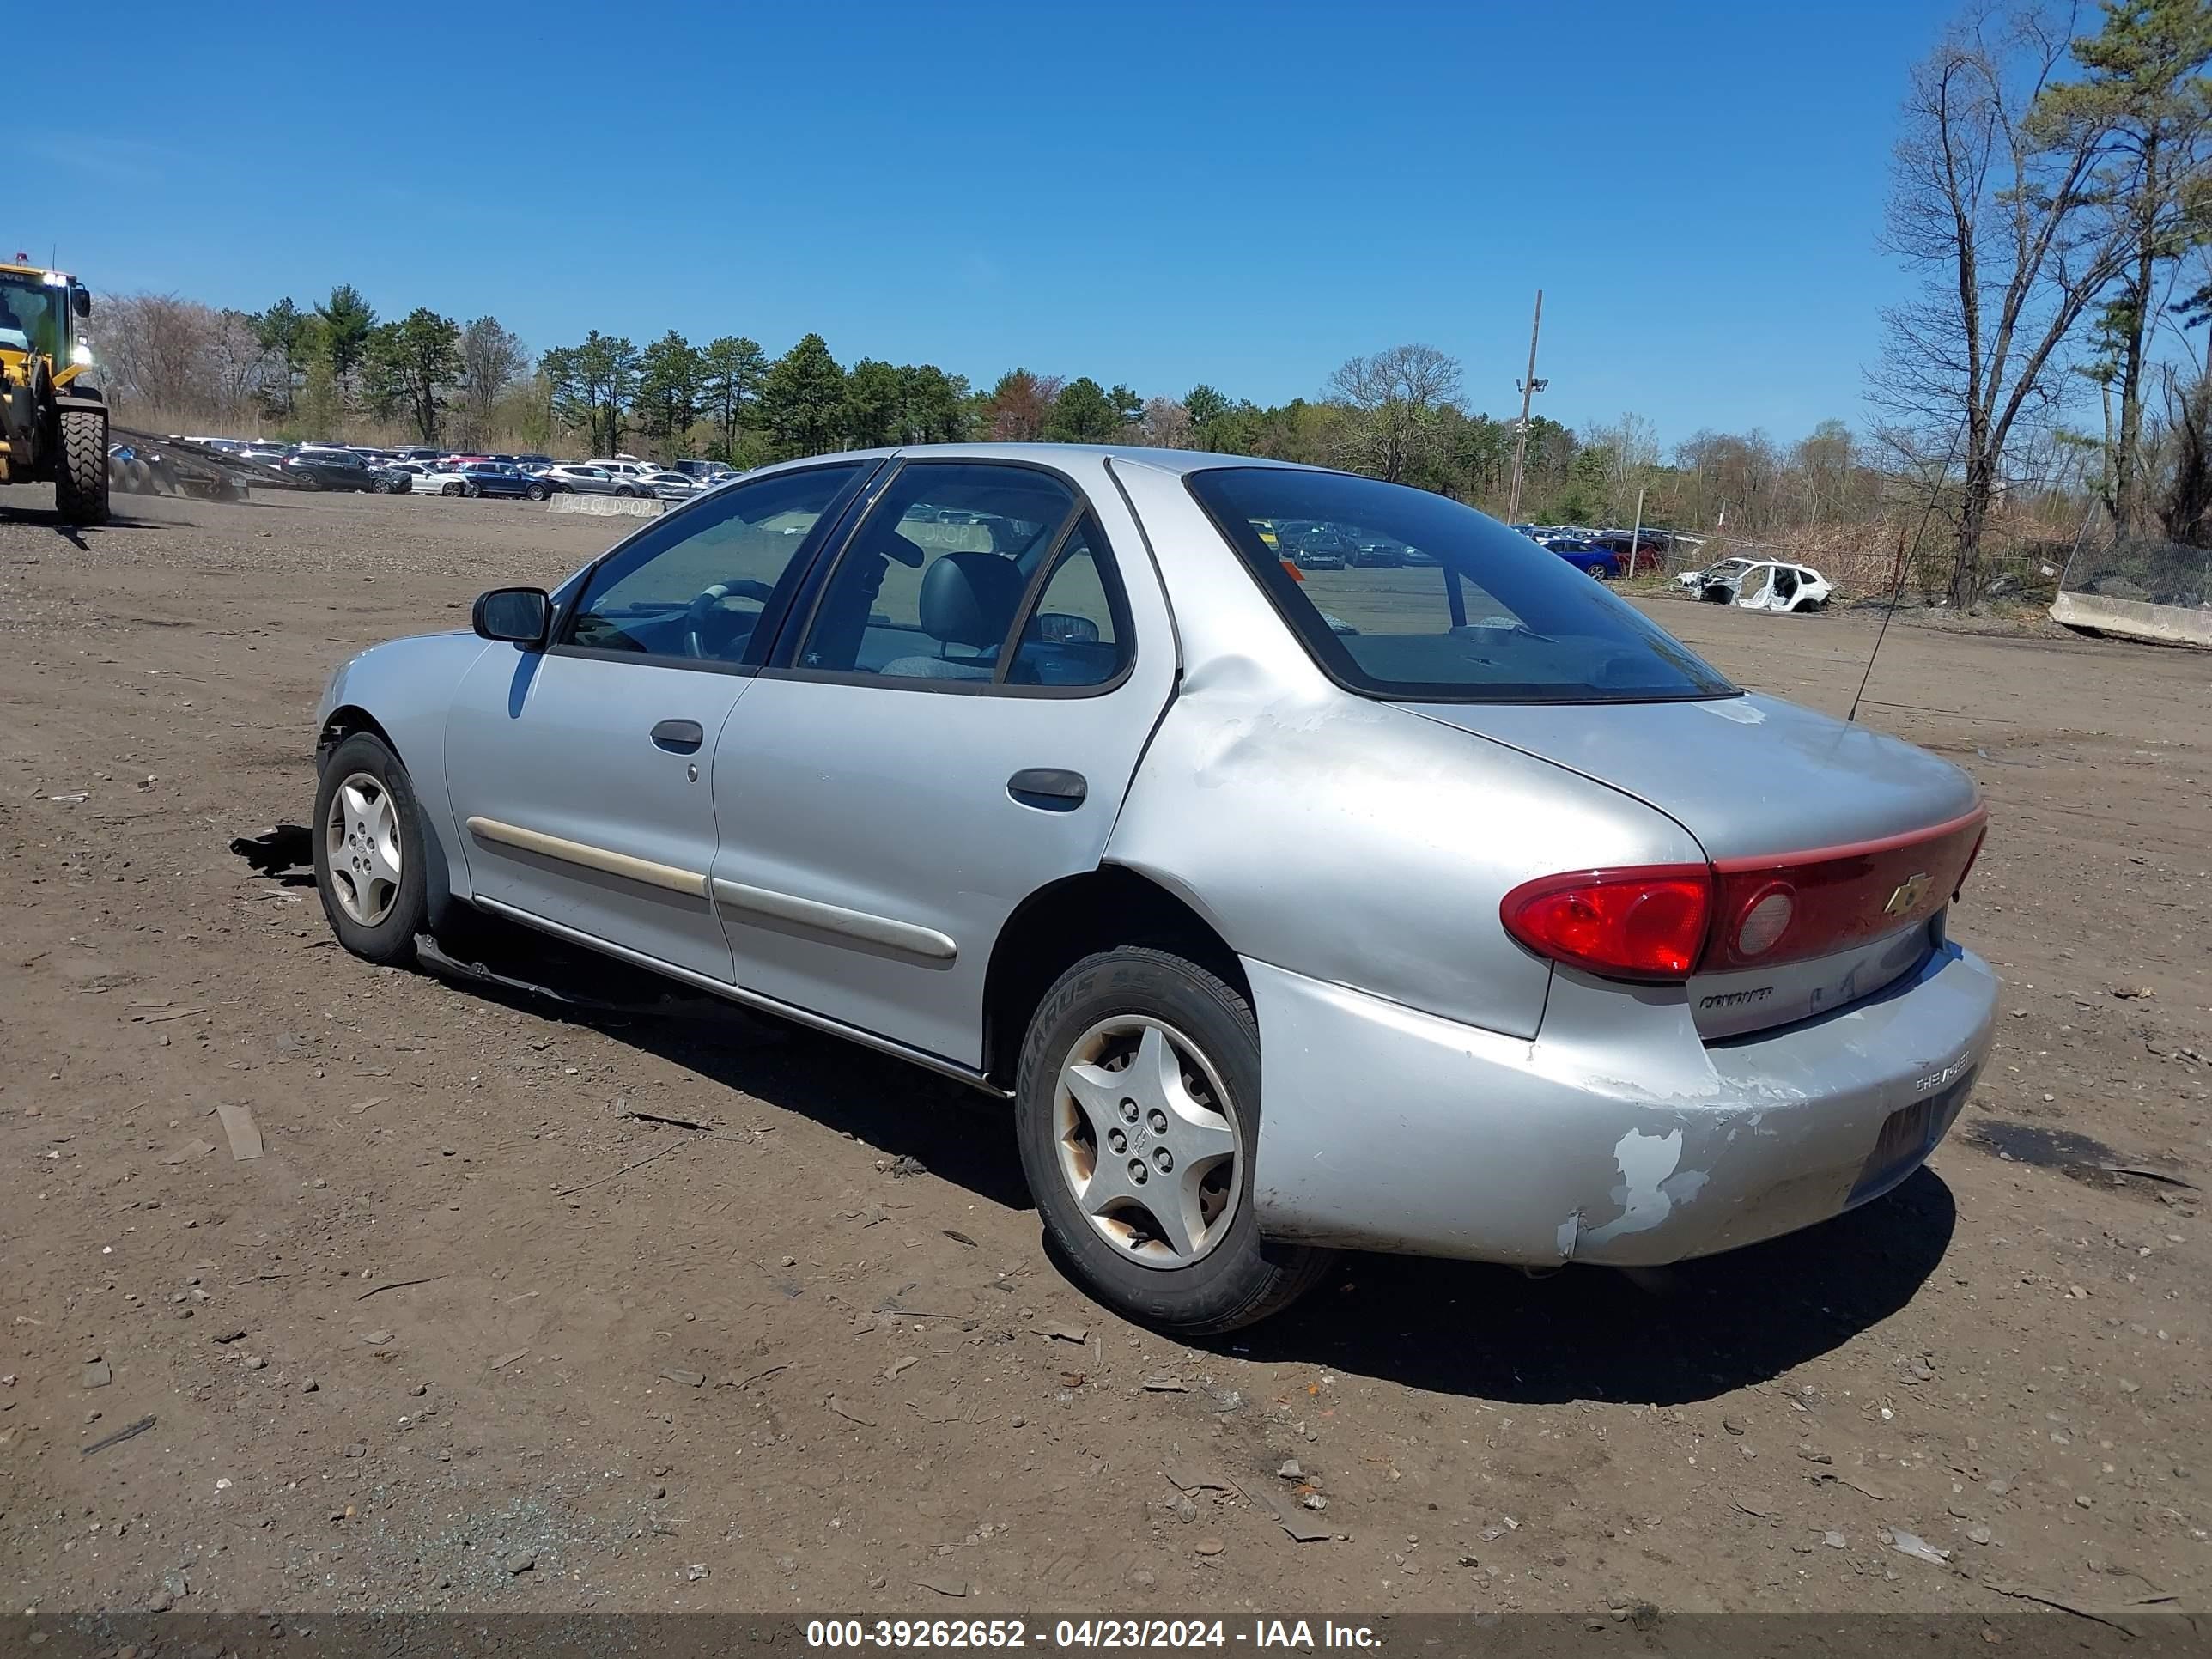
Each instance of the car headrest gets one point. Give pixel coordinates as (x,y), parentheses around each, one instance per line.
(969,599)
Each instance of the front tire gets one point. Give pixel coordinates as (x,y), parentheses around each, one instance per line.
(453,489)
(369,862)
(81,486)
(1137,1109)
(536,492)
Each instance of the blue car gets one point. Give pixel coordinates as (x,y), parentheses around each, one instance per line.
(498,478)
(1586,556)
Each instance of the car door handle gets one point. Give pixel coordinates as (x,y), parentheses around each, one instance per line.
(679,736)
(1048,788)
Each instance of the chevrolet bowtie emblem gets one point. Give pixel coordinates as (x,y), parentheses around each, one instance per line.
(1908,896)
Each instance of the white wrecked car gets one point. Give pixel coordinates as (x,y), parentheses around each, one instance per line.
(1759,584)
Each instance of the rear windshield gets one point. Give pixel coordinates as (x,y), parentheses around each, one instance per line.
(1400,593)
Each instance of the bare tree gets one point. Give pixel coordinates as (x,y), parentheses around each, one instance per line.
(152,351)
(2014,236)
(1824,459)
(1397,397)
(1630,450)
(493,358)
(239,368)
(1166,425)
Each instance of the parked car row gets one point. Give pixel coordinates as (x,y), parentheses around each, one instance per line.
(425,470)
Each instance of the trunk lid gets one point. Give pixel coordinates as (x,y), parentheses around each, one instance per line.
(1754,778)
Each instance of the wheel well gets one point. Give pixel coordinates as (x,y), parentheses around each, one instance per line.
(344,723)
(1057,927)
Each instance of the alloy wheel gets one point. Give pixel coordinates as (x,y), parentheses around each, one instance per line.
(1147,1141)
(360,840)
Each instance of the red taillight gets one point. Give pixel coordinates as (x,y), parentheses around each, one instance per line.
(1665,922)
(1839,897)
(1971,858)
(1646,924)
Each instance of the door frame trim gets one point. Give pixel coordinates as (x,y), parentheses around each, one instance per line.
(767,1005)
(691,883)
(907,937)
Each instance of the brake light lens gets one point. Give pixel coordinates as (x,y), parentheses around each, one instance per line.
(1642,924)
(1838,897)
(1664,923)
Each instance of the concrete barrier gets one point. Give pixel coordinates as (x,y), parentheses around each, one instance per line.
(608,507)
(2168,624)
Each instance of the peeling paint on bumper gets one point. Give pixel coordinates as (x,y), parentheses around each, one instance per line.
(1614,1136)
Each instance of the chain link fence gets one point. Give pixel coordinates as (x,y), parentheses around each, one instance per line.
(2145,587)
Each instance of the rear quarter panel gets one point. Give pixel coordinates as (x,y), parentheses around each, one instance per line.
(1338,838)
(1353,843)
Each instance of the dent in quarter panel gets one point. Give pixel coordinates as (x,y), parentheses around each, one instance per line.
(1357,844)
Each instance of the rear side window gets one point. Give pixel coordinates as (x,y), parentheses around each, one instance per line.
(1078,634)
(1462,610)
(922,598)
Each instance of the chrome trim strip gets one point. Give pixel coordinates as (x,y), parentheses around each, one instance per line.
(690,882)
(904,937)
(767,1005)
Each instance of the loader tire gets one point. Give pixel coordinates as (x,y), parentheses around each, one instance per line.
(81,485)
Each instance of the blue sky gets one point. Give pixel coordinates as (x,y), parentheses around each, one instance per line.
(1241,193)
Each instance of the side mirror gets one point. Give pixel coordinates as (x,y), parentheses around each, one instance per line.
(81,301)
(1061,628)
(519,615)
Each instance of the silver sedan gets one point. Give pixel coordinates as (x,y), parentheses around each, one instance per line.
(1454,907)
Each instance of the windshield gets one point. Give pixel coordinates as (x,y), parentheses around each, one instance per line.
(1461,609)
(33,314)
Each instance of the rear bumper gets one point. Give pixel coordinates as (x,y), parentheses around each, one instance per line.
(1615,1136)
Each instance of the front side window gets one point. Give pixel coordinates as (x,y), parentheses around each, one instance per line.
(924,594)
(1468,612)
(698,583)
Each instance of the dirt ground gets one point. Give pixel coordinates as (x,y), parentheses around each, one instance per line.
(471,1335)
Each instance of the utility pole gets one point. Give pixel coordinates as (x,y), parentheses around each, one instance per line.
(1636,536)
(1530,388)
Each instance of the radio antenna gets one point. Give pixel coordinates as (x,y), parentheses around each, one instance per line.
(1905,568)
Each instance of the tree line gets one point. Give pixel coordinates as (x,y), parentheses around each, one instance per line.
(335,369)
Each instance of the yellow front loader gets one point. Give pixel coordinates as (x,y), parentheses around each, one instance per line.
(53,424)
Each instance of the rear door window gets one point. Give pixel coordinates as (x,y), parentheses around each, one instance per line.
(1474,613)
(935,597)
(1078,634)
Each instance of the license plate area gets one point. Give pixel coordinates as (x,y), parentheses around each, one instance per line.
(1907,1136)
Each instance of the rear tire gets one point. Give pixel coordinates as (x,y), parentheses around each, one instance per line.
(81,486)
(375,924)
(1123,1257)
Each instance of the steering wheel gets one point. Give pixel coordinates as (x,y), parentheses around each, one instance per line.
(708,600)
